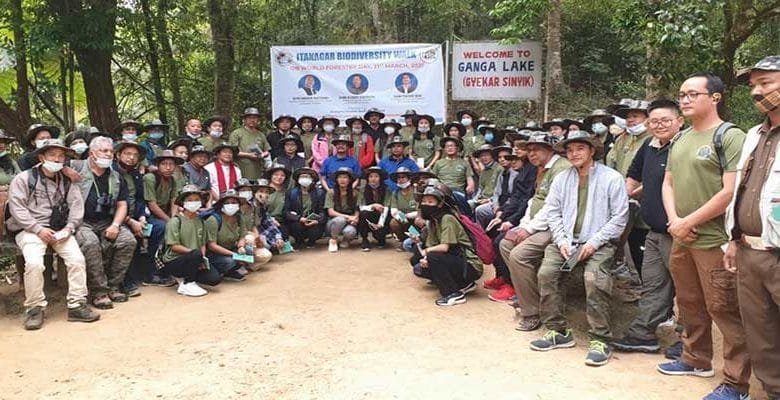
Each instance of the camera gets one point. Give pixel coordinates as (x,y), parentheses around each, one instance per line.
(105,204)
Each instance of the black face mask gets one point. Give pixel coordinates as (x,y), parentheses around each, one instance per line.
(431,212)
(125,166)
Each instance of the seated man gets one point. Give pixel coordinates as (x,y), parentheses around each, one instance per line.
(502,188)
(290,157)
(45,209)
(584,224)
(107,244)
(488,176)
(452,170)
(339,160)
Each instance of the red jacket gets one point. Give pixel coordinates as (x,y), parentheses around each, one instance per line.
(363,151)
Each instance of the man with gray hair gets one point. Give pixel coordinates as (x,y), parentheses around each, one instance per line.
(107,244)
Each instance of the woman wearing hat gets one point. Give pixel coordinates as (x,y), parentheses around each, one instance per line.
(195,169)
(452,170)
(449,256)
(409,125)
(226,230)
(306,124)
(278,180)
(128,130)
(272,236)
(290,157)
(78,142)
(303,208)
(36,135)
(455,129)
(424,149)
(403,203)
(283,125)
(556,127)
(390,130)
(341,204)
(154,142)
(320,145)
(161,187)
(467,118)
(363,143)
(373,127)
(184,256)
(215,127)
(373,208)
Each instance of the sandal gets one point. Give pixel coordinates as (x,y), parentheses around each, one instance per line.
(102,302)
(117,296)
(528,324)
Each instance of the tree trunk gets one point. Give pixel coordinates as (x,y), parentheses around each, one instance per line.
(154,61)
(20,52)
(223,13)
(171,68)
(554,78)
(64,93)
(95,66)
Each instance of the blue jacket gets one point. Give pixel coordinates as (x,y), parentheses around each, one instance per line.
(390,165)
(333,163)
(293,205)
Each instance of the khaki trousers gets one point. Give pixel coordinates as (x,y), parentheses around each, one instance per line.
(523,261)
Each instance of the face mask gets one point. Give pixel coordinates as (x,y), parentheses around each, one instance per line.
(129,137)
(3,154)
(328,128)
(489,137)
(389,130)
(598,128)
(430,212)
(52,166)
(39,143)
(357,130)
(155,135)
(768,103)
(404,185)
(103,162)
(193,135)
(245,194)
(424,129)
(230,209)
(215,133)
(79,148)
(466,121)
(636,130)
(373,185)
(305,182)
(125,166)
(192,206)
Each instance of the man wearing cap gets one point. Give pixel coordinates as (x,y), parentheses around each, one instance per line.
(215,126)
(193,130)
(452,170)
(397,158)
(128,130)
(253,147)
(154,143)
(409,126)
(584,223)
(306,124)
(696,193)
(341,159)
(753,222)
(283,125)
(107,244)
(36,135)
(290,158)
(45,209)
(598,123)
(195,169)
(373,128)
(223,171)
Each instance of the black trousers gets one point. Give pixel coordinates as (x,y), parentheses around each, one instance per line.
(450,272)
(499,264)
(636,239)
(187,266)
(364,229)
(303,234)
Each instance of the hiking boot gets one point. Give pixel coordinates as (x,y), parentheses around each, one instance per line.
(469,288)
(528,324)
(117,296)
(674,352)
(451,299)
(554,340)
(365,245)
(598,354)
(333,245)
(102,302)
(679,368)
(494,284)
(33,318)
(82,313)
(726,392)
(630,344)
(503,295)
(191,289)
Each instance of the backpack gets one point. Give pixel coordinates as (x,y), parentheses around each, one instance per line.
(32,180)
(204,215)
(717,141)
(483,246)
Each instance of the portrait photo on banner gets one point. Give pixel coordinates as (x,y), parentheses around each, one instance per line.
(357,84)
(310,84)
(406,82)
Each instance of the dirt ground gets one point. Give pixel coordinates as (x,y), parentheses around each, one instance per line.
(316,326)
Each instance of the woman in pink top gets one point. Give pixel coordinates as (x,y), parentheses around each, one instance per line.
(320,145)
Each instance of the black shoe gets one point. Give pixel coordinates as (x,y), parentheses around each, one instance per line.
(33,319)
(381,243)
(159,281)
(82,313)
(365,245)
(674,352)
(451,299)
(630,344)
(234,276)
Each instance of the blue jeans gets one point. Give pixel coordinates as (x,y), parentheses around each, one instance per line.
(220,263)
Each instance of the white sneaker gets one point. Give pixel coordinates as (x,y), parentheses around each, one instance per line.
(333,246)
(191,289)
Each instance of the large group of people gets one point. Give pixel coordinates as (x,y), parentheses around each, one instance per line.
(663,189)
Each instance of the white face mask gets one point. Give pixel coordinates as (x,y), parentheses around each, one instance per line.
(245,194)
(103,162)
(636,129)
(192,206)
(129,137)
(39,143)
(328,128)
(466,121)
(52,166)
(357,130)
(79,148)
(230,209)
(215,133)
(424,129)
(389,130)
(598,128)
(404,185)
(305,182)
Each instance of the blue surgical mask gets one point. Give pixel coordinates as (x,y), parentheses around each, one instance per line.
(489,137)
(598,128)
(155,135)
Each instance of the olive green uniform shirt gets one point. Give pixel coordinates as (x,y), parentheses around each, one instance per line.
(275,205)
(487,181)
(343,208)
(230,232)
(450,231)
(246,139)
(209,142)
(543,186)
(162,192)
(423,148)
(7,176)
(453,172)
(306,138)
(404,202)
(471,142)
(582,204)
(188,232)
(624,151)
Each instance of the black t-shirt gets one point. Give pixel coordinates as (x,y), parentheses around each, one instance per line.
(101,185)
(649,167)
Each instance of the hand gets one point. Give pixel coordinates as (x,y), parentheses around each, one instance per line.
(303,220)
(47,235)
(470,188)
(275,222)
(377,208)
(522,234)
(585,253)
(279,244)
(729,257)
(424,253)
(353,220)
(505,226)
(424,262)
(312,222)
(564,251)
(136,227)
(71,174)
(680,228)
(111,232)
(241,243)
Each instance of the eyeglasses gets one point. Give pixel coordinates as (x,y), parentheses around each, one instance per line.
(656,123)
(691,96)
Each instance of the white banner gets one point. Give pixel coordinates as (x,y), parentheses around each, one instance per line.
(345,81)
(492,71)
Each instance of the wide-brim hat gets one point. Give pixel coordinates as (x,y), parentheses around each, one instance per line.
(481,121)
(335,121)
(251,111)
(400,171)
(128,122)
(570,122)
(409,113)
(770,63)
(180,142)
(633,105)
(424,173)
(433,191)
(291,138)
(540,138)
(343,139)
(72,136)
(443,141)
(427,117)
(374,111)
(522,134)
(555,122)
(396,140)
(122,145)
(485,148)
(188,190)
(598,114)
(374,170)
(352,120)
(277,167)
(622,103)
(167,154)
(581,137)
(392,123)
(461,128)
(474,116)
(198,149)
(55,144)
(244,182)
(4,138)
(314,174)
(228,194)
(304,118)
(343,171)
(532,126)
(155,123)
(223,146)
(35,128)
(499,149)
(263,183)
(288,117)
(220,118)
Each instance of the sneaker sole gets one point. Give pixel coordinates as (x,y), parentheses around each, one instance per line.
(700,374)
(507,301)
(159,284)
(469,289)
(452,303)
(636,349)
(592,363)
(555,346)
(73,319)
(192,295)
